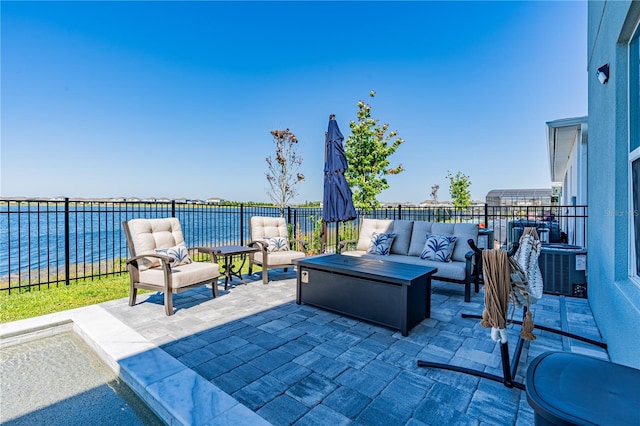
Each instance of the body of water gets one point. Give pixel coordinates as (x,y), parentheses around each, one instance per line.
(33,237)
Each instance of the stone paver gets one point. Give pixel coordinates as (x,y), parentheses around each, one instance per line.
(297,364)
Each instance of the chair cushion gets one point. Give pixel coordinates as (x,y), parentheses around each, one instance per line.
(277,244)
(381,243)
(368,227)
(438,247)
(179,254)
(262,227)
(279,258)
(182,276)
(147,235)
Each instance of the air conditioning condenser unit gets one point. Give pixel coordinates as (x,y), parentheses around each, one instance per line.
(564,269)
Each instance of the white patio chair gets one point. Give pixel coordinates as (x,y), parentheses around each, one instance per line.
(160,260)
(270,235)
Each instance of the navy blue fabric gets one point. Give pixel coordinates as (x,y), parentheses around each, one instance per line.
(337,202)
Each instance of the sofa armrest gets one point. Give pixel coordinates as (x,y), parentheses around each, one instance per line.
(471,263)
(343,246)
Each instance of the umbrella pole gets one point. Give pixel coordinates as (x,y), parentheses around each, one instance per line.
(323,247)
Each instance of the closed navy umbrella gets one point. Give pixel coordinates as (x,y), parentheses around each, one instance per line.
(337,202)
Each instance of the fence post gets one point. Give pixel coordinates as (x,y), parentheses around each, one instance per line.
(67,266)
(241,224)
(295,221)
(399,211)
(173,208)
(486,216)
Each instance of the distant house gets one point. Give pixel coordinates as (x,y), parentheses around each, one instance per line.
(213,200)
(435,203)
(613,175)
(390,205)
(519,197)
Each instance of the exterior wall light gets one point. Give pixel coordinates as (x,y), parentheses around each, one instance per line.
(603,73)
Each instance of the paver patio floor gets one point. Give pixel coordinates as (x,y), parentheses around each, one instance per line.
(297,364)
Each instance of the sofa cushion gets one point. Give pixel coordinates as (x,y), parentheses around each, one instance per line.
(381,243)
(368,227)
(419,237)
(449,270)
(438,247)
(402,229)
(464,232)
(443,228)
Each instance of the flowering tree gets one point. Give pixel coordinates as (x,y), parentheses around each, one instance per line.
(368,149)
(283,170)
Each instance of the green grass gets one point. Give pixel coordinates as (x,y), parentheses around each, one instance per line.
(29,304)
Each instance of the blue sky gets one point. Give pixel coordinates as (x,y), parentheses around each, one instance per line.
(177,99)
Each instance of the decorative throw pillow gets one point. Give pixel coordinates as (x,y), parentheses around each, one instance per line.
(438,247)
(179,255)
(381,243)
(277,244)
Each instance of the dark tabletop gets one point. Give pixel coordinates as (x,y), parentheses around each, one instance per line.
(373,268)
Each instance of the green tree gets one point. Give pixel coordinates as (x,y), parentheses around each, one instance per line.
(283,171)
(459,189)
(368,149)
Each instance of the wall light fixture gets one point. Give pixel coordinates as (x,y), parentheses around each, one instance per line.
(603,73)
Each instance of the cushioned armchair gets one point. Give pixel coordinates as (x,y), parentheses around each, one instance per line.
(270,235)
(160,260)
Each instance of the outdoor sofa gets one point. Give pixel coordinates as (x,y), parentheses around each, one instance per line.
(408,241)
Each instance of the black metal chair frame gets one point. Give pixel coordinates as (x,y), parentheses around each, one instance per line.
(509,367)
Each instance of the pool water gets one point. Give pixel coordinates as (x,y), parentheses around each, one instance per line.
(58,379)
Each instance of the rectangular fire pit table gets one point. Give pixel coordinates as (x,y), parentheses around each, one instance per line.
(393,294)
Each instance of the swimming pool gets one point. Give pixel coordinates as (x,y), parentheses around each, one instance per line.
(58,379)
(174,392)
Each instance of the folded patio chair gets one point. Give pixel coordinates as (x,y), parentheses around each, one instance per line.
(270,235)
(160,260)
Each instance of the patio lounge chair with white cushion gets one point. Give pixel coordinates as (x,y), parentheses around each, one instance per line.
(270,235)
(160,260)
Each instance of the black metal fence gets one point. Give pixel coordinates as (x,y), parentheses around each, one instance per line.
(46,243)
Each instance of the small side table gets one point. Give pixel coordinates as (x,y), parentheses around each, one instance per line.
(230,269)
(566,388)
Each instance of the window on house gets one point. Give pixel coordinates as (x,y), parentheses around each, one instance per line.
(634,154)
(635,179)
(634,92)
